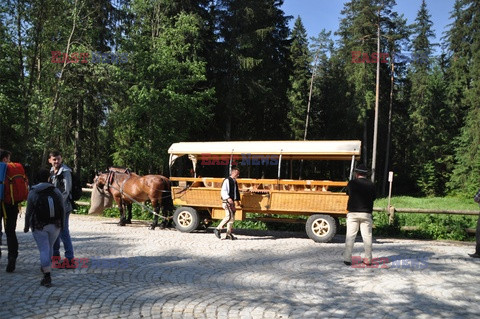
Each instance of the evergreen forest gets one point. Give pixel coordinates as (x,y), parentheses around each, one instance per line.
(116,82)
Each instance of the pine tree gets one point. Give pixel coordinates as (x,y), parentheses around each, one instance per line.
(252,78)
(358,43)
(299,80)
(428,112)
(464,94)
(397,36)
(329,91)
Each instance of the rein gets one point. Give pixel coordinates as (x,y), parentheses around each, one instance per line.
(183,190)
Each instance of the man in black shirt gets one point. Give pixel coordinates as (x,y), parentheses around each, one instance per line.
(361,193)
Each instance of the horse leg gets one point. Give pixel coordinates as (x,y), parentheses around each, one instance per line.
(122,214)
(129,218)
(156,208)
(167,222)
(165,218)
(155,221)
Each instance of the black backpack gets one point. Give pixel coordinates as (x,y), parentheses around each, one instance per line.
(76,187)
(76,192)
(48,207)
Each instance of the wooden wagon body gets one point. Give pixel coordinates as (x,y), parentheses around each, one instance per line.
(322,200)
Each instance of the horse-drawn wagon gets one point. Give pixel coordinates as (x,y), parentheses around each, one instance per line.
(322,200)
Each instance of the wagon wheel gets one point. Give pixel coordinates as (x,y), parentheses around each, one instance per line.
(186,219)
(321,228)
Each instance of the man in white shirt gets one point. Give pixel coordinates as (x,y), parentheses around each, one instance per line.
(230,194)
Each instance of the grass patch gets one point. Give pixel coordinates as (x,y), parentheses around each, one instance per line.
(429,226)
(444,203)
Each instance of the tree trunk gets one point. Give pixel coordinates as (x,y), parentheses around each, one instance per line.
(377,102)
(77,154)
(21,68)
(60,82)
(365,145)
(389,132)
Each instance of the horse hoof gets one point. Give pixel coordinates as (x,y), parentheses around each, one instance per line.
(152,227)
(128,221)
(122,223)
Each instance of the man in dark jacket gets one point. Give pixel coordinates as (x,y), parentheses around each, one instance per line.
(361,193)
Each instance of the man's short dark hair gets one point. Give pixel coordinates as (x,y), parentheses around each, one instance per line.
(4,154)
(42,176)
(54,154)
(235,168)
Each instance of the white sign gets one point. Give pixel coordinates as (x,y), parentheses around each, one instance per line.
(390,176)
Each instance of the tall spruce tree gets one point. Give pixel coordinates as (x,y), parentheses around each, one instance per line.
(299,80)
(358,48)
(397,36)
(252,80)
(464,94)
(329,91)
(428,112)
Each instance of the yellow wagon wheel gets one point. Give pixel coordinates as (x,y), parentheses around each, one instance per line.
(321,228)
(186,219)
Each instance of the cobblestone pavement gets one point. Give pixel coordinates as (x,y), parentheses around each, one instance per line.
(135,272)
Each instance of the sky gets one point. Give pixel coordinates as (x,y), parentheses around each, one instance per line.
(325,14)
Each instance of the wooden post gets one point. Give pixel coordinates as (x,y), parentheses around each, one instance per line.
(391,215)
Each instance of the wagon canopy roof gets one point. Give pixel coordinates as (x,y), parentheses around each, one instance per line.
(308,150)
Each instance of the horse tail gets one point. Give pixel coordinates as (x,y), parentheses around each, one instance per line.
(167,201)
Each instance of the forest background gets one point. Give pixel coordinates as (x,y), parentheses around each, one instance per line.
(233,70)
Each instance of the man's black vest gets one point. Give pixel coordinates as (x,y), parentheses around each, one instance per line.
(234,193)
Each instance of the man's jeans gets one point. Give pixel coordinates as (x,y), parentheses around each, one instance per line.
(354,222)
(45,239)
(66,240)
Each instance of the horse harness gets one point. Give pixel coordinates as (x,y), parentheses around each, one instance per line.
(111,178)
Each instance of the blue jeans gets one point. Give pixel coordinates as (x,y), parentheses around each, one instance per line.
(66,240)
(45,239)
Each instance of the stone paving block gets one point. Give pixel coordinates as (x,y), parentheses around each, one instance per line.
(168,274)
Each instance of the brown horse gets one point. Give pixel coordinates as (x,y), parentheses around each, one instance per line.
(126,188)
